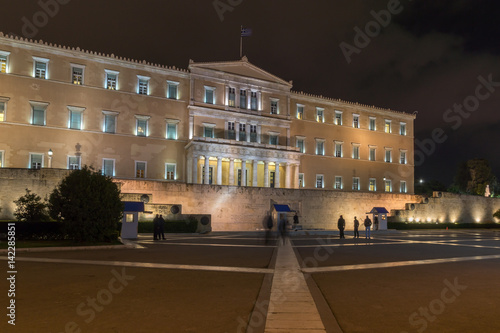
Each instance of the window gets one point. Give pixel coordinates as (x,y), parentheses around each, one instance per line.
(208,130)
(253,133)
(301,144)
(172,90)
(355,120)
(36,161)
(388,185)
(4,58)
(338,149)
(3,108)
(172,129)
(338,183)
(74,162)
(141,125)
(273,139)
(253,101)
(338,118)
(355,151)
(387,126)
(77,74)
(402,128)
(319,181)
(1,159)
(109,121)
(372,186)
(300,111)
(402,186)
(40,67)
(38,113)
(75,117)
(243,99)
(320,115)
(232,97)
(142,85)
(111,80)
(355,184)
(388,155)
(274,106)
(373,153)
(209,95)
(170,171)
(372,126)
(108,167)
(402,157)
(231,133)
(301,180)
(243,133)
(140,169)
(320,147)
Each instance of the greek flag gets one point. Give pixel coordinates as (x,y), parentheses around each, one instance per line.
(246,32)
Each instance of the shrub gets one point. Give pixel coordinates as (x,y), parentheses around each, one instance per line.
(497,214)
(89,205)
(31,208)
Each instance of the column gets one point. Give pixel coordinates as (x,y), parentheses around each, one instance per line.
(207,170)
(296,185)
(254,178)
(195,170)
(219,170)
(266,174)
(288,175)
(277,175)
(243,172)
(231,171)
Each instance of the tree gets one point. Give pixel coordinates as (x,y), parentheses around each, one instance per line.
(427,187)
(89,205)
(31,208)
(497,214)
(472,177)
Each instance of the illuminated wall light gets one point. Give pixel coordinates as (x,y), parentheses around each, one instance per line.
(429,219)
(418,219)
(411,219)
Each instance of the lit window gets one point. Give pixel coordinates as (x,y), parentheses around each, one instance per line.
(40,67)
(355,151)
(75,117)
(355,120)
(338,118)
(36,161)
(388,185)
(74,163)
(4,58)
(338,149)
(77,74)
(108,167)
(388,155)
(387,126)
(373,153)
(243,99)
(319,181)
(274,106)
(170,171)
(172,129)
(373,125)
(301,180)
(3,106)
(355,184)
(338,183)
(210,95)
(373,185)
(402,186)
(110,121)
(232,97)
(140,169)
(300,112)
(320,115)
(253,101)
(402,128)
(320,147)
(141,124)
(301,144)
(142,85)
(111,80)
(172,90)
(253,133)
(38,113)
(402,157)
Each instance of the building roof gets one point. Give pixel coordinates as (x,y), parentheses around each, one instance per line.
(378,210)
(282,208)
(133,206)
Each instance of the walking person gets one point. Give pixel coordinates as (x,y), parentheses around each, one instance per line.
(356,227)
(341,226)
(156,227)
(375,223)
(161,228)
(269,227)
(282,229)
(368,224)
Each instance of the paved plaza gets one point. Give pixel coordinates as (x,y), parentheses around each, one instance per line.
(398,281)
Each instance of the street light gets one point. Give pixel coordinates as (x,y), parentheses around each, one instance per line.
(50,157)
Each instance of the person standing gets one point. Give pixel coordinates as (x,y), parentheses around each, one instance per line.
(156,227)
(356,227)
(368,224)
(161,228)
(341,226)
(375,223)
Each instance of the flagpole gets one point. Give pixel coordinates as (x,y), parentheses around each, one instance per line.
(241,42)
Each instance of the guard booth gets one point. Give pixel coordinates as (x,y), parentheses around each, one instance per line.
(281,211)
(130,221)
(379,214)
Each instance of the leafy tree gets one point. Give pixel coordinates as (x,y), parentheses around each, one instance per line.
(31,208)
(89,205)
(427,187)
(472,177)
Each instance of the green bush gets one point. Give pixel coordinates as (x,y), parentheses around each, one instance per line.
(412,225)
(178,226)
(31,208)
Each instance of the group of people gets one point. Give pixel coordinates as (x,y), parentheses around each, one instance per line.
(367,223)
(159,227)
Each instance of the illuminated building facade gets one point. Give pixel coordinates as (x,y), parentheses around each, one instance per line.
(222,123)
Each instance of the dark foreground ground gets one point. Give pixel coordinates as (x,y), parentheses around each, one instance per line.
(414,281)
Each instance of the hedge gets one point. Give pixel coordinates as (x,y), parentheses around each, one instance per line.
(179,226)
(35,230)
(413,225)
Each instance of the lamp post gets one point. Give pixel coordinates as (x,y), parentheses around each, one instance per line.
(50,153)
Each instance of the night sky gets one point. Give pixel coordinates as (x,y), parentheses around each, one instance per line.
(425,56)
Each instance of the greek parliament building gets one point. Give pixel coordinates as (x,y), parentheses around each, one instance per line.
(220,123)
